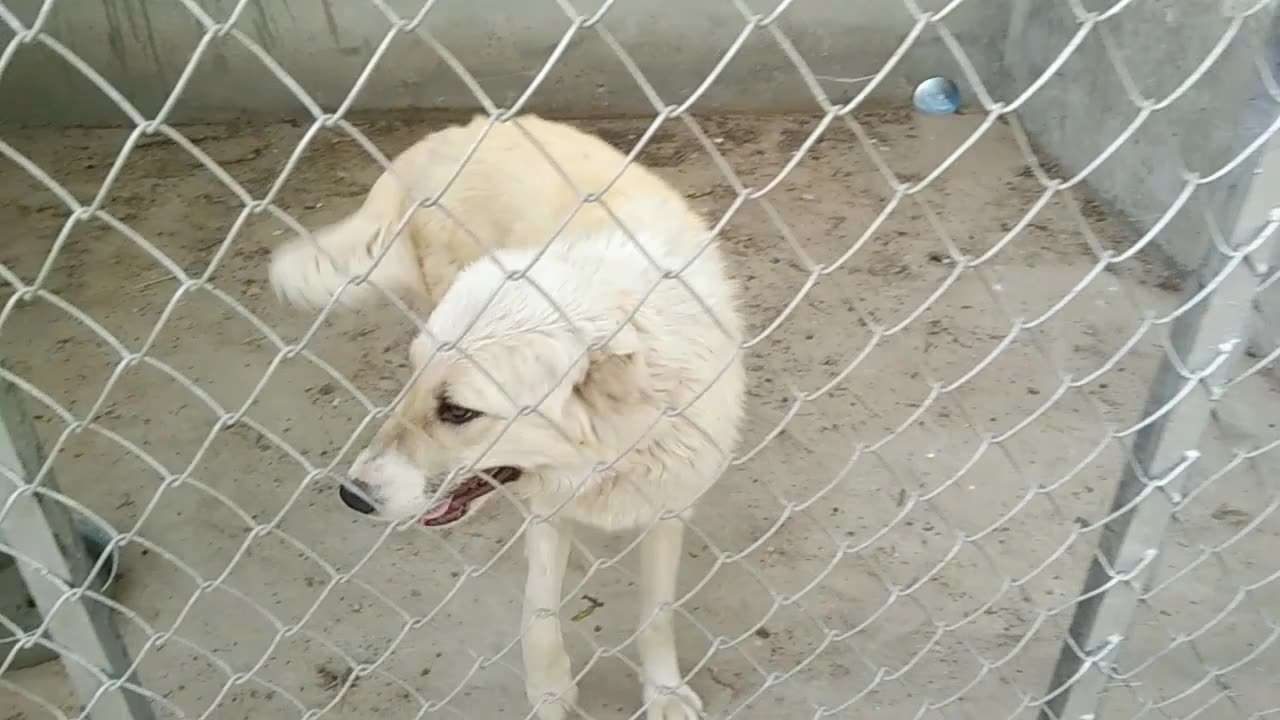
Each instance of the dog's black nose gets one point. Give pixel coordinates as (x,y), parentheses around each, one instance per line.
(355,499)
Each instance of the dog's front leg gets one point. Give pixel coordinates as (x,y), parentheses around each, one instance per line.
(548,677)
(665,694)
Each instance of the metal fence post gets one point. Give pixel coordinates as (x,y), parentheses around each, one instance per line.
(1202,339)
(41,529)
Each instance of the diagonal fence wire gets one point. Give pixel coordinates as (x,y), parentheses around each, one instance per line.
(1115,581)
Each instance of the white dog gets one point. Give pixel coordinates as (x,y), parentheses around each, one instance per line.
(583,384)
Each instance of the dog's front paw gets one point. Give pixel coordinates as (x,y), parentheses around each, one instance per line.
(552,692)
(664,703)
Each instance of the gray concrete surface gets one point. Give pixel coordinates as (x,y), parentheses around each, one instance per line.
(142,47)
(1085,106)
(972,627)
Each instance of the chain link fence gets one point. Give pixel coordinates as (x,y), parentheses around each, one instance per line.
(1002,459)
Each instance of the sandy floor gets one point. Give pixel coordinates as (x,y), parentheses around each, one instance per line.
(862,595)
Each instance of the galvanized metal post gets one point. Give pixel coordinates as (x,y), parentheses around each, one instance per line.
(40,529)
(1202,339)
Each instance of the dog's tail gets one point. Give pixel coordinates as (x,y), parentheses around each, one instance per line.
(308,272)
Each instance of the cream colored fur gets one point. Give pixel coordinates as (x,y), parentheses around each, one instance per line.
(508,194)
(636,380)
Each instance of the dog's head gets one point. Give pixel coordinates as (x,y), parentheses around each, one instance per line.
(508,395)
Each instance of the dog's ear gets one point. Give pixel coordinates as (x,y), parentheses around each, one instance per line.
(420,350)
(613,385)
(621,340)
(578,392)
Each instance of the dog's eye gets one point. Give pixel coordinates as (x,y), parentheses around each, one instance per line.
(456,414)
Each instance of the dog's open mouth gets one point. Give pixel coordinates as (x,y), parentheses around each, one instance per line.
(467,492)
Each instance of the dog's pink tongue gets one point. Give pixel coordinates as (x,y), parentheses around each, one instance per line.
(437,511)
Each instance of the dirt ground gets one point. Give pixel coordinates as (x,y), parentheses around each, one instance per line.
(906,542)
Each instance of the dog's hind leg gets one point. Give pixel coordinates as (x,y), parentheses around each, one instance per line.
(548,675)
(666,695)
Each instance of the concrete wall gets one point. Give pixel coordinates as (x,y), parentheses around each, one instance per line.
(142,46)
(1085,106)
